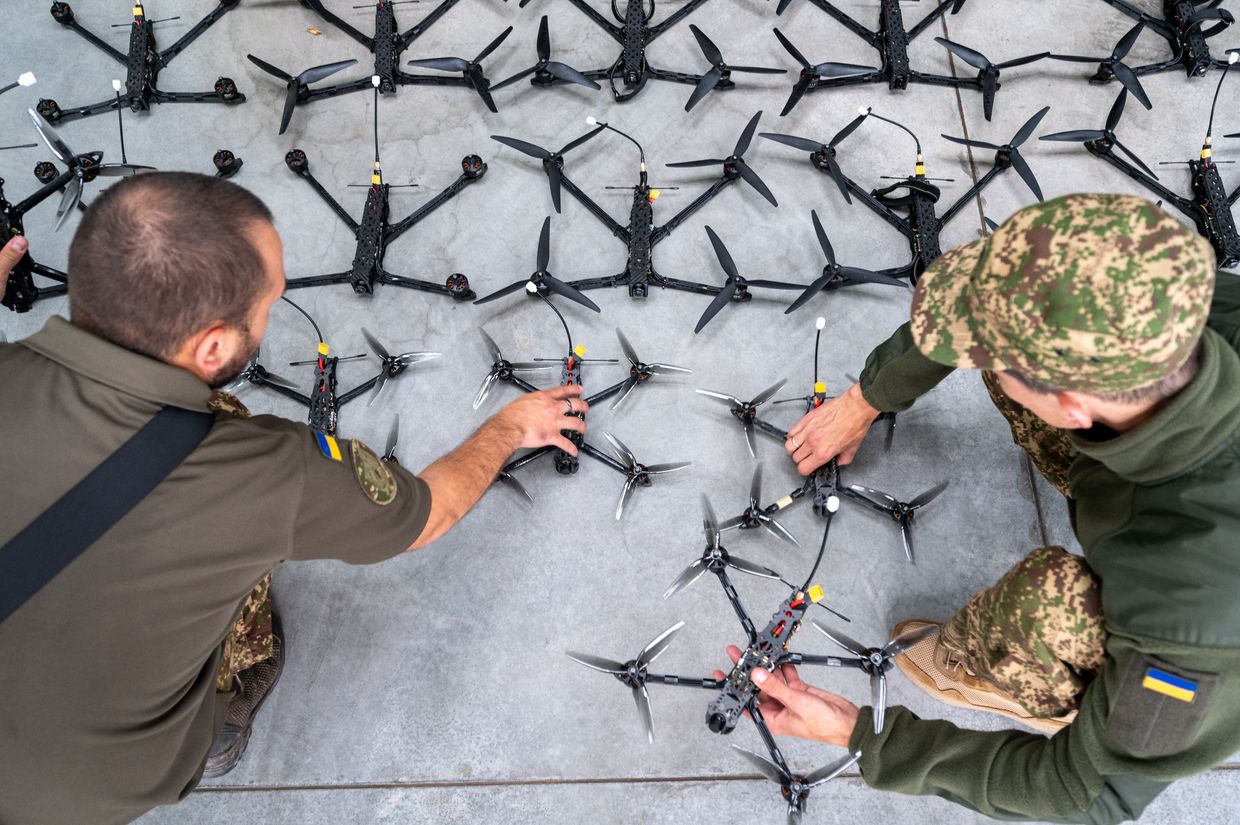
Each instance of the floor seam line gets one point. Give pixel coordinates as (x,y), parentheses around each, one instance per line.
(964,126)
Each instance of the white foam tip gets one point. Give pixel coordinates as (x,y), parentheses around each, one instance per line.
(26,79)
(531,287)
(375,80)
(116,85)
(592,120)
(833,503)
(1233,57)
(820,323)
(863,110)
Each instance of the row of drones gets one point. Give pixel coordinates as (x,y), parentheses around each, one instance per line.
(1185,25)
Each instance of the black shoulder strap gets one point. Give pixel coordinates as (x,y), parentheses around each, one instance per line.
(52,541)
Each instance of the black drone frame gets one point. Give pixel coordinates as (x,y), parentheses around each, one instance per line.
(323,402)
(375,232)
(1210,204)
(143,63)
(630,71)
(891,40)
(635,473)
(921,224)
(1187,30)
(767,649)
(641,234)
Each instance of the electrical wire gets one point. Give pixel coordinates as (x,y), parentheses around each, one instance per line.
(288,301)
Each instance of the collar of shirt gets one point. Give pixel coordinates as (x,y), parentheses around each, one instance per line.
(114,366)
(1184,433)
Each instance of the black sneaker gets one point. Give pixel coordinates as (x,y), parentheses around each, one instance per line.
(254,685)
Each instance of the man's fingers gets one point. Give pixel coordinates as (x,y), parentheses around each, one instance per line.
(10,254)
(718,675)
(734,653)
(565,391)
(845,458)
(572,422)
(777,689)
(564,444)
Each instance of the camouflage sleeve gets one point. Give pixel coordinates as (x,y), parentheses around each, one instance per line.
(1225,308)
(897,374)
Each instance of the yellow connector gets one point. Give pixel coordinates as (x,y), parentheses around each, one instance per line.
(580,351)
(137,10)
(654,195)
(323,348)
(815,593)
(819,388)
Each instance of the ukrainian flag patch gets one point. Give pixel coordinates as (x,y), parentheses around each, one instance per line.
(328,446)
(1160,681)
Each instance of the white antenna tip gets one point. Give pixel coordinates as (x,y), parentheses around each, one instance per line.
(820,323)
(863,110)
(592,120)
(117,85)
(26,79)
(1232,57)
(531,287)
(833,504)
(375,80)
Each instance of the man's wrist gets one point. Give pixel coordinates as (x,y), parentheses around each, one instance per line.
(501,429)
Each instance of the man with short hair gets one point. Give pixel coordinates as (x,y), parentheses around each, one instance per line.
(153,649)
(1111,348)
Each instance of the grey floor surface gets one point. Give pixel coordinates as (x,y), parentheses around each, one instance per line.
(434,687)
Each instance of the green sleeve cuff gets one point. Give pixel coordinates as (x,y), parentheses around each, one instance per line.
(896,373)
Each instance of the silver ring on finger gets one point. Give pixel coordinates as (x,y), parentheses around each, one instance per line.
(796,444)
(569,402)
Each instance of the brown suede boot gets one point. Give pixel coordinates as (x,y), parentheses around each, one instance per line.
(940,673)
(254,685)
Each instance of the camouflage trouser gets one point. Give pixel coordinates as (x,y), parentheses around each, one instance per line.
(1037,635)
(1048,447)
(249,641)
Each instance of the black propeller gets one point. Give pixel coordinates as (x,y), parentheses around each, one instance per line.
(754,515)
(718,68)
(547,69)
(256,373)
(833,275)
(633,672)
(1123,73)
(735,284)
(393,365)
(1011,150)
(471,69)
(810,73)
(796,788)
(639,371)
(987,72)
(389,451)
(746,411)
(824,150)
(544,280)
(553,162)
(638,474)
(296,84)
(714,558)
(501,369)
(902,512)
(1106,134)
(736,161)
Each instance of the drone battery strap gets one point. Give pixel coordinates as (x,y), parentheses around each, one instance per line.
(95,504)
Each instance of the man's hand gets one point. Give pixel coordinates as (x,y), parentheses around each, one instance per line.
(540,416)
(792,708)
(9,256)
(834,430)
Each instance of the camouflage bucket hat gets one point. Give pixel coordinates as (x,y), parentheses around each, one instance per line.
(1091,293)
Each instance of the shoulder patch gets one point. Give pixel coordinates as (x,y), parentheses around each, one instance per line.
(374,477)
(328,446)
(1159,707)
(226,402)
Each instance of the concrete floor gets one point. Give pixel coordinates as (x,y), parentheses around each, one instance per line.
(435,687)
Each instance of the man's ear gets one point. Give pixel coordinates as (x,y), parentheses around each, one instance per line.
(1076,409)
(212,349)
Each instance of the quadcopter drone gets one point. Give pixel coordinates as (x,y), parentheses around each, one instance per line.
(767,649)
(22,292)
(824,486)
(625,462)
(627,76)
(891,40)
(375,232)
(921,224)
(143,64)
(387,45)
(641,234)
(1210,204)
(323,402)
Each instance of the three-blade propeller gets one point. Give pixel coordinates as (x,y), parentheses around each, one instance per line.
(546,67)
(1121,70)
(902,512)
(987,72)
(824,150)
(834,275)
(1107,133)
(734,283)
(501,369)
(553,162)
(1011,150)
(638,473)
(811,73)
(714,558)
(746,411)
(718,68)
(754,515)
(393,365)
(639,371)
(736,161)
(470,69)
(294,85)
(542,278)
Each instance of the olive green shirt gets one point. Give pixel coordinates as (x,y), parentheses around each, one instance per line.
(1157,512)
(107,676)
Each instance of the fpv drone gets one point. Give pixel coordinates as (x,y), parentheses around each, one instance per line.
(387,45)
(891,40)
(920,224)
(323,402)
(768,649)
(80,169)
(641,234)
(625,462)
(143,63)
(630,71)
(375,232)
(824,486)
(1210,204)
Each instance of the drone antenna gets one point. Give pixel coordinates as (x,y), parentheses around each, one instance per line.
(289,301)
(821,549)
(1232,57)
(120,119)
(532,289)
(920,167)
(24,79)
(819,324)
(593,121)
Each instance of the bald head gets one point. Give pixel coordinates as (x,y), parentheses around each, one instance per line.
(162,256)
